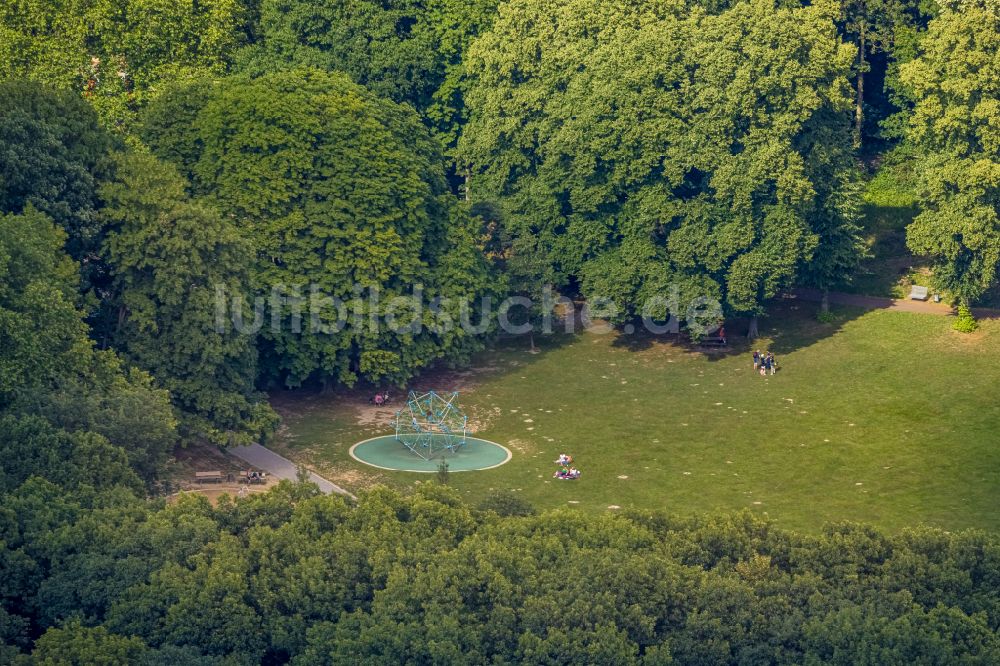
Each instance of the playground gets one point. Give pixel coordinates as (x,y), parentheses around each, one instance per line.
(430,427)
(853,427)
(387,453)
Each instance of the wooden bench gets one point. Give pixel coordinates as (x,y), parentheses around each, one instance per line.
(713,341)
(918,293)
(202,477)
(260,478)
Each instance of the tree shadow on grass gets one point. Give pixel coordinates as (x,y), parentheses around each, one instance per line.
(793,324)
(790,324)
(892,266)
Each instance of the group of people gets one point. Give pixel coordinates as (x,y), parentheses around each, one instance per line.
(566,471)
(254,475)
(380,398)
(765,363)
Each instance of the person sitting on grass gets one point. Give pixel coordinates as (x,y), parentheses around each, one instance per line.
(567,473)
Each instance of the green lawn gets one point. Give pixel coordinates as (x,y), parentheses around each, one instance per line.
(884,417)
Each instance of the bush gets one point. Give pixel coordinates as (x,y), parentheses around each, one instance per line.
(507,503)
(826,317)
(965,322)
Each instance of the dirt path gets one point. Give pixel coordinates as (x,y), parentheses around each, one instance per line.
(879,303)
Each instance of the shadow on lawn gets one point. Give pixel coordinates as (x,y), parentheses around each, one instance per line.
(792,325)
(439,377)
(789,325)
(442,378)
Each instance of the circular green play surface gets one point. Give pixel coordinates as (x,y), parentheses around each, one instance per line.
(387,452)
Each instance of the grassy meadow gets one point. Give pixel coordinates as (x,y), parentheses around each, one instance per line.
(884,417)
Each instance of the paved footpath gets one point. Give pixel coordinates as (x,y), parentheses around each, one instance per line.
(281,467)
(879,303)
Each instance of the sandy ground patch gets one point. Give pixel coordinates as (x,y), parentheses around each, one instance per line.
(369,415)
(521,446)
(215,492)
(186,461)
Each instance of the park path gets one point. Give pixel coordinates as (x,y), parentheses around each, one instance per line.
(873,302)
(880,303)
(281,467)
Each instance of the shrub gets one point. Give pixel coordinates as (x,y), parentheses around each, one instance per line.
(442,473)
(965,322)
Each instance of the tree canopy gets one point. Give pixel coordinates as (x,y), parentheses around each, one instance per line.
(343,195)
(955,127)
(405,50)
(53,158)
(655,145)
(149,257)
(118,53)
(168,256)
(49,366)
(295,576)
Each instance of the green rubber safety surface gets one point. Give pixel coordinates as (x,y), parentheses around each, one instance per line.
(387,452)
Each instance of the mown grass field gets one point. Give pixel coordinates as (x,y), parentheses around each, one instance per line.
(884,417)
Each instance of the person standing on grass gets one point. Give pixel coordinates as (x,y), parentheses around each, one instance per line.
(772,364)
(756,359)
(722,334)
(765,366)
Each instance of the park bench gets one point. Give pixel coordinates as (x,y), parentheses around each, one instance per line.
(713,341)
(260,478)
(202,477)
(918,293)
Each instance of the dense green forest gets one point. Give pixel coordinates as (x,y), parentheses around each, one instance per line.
(160,160)
(293,575)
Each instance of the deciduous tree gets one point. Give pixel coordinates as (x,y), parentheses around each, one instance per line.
(169,256)
(407,50)
(53,158)
(652,146)
(343,195)
(956,128)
